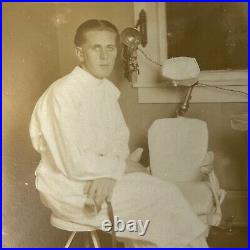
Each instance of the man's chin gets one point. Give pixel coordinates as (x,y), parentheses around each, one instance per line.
(103,74)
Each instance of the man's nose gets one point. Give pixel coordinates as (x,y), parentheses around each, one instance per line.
(103,54)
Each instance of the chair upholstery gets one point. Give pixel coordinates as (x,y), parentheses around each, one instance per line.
(175,143)
(178,153)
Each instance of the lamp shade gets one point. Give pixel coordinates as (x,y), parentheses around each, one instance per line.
(183,71)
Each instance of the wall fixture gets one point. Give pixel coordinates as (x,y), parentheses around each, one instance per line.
(182,72)
(131,38)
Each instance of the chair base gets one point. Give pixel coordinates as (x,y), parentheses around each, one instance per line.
(93,236)
(74,228)
(69,226)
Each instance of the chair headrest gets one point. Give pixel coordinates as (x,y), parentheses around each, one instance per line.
(177,147)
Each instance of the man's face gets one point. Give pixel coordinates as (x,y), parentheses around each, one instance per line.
(99,52)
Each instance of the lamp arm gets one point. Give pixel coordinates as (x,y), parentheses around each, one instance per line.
(131,67)
(142,25)
(185,105)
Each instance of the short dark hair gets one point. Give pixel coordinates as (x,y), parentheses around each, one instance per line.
(94,24)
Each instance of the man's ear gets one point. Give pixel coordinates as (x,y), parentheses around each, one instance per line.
(79,54)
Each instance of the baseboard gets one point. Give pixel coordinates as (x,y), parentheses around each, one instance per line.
(236,205)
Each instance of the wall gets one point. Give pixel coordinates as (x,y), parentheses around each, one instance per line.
(31,62)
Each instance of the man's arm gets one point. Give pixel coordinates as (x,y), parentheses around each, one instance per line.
(69,140)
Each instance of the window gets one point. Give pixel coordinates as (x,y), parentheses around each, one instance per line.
(214,33)
(223,63)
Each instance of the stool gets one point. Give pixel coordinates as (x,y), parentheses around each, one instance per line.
(74,228)
(93,235)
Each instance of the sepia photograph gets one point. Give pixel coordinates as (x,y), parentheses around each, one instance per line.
(125,125)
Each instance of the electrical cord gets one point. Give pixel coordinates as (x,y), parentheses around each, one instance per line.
(225,89)
(148,58)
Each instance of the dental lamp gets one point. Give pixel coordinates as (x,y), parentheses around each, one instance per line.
(131,38)
(180,71)
(183,72)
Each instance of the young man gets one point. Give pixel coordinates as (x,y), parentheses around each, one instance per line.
(79,130)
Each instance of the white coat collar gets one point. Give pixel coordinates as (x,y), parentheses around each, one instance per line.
(86,76)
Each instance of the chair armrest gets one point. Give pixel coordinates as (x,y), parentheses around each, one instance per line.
(207,163)
(207,169)
(219,195)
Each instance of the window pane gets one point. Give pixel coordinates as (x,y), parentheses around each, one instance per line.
(214,33)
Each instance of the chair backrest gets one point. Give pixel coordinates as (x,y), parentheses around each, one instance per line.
(177,147)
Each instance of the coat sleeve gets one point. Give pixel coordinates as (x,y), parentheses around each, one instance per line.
(121,138)
(68,138)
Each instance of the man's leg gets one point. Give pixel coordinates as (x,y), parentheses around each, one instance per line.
(173,223)
(199,242)
(138,244)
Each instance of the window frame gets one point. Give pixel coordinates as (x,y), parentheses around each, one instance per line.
(150,75)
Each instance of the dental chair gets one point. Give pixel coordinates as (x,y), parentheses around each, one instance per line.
(178,153)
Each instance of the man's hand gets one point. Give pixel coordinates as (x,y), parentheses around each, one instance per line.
(99,190)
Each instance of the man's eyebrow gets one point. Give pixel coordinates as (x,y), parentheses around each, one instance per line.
(109,44)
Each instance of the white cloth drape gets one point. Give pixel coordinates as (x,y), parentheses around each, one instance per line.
(79,130)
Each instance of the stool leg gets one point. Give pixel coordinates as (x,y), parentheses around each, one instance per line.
(71,237)
(95,239)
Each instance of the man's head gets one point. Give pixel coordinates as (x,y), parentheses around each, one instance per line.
(96,46)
